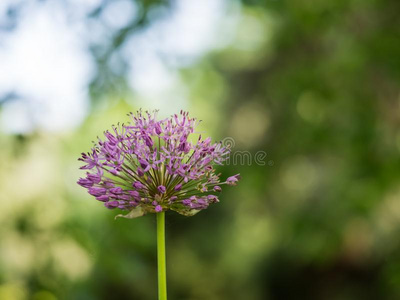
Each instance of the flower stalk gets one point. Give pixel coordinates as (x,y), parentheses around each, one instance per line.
(161,261)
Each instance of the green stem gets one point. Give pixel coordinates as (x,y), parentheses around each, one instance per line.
(162,276)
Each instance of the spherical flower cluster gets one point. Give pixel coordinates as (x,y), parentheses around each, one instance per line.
(148,166)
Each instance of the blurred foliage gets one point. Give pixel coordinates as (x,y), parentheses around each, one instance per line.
(316,84)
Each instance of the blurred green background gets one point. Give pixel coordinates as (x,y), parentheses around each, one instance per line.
(313,83)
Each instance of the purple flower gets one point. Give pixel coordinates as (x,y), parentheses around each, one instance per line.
(111,204)
(86,183)
(203,188)
(157,128)
(124,197)
(233,179)
(116,191)
(217,188)
(138,185)
(97,191)
(212,198)
(103,198)
(154,165)
(149,141)
(134,194)
(145,165)
(140,172)
(95,178)
(162,189)
(186,202)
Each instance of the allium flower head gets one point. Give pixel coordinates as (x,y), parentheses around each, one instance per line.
(148,166)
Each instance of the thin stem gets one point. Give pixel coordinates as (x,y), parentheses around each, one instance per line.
(162,276)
